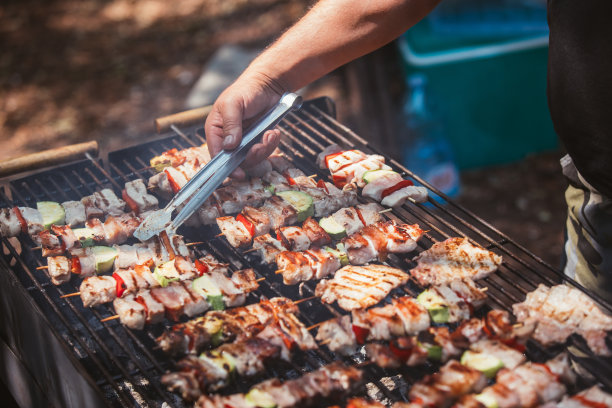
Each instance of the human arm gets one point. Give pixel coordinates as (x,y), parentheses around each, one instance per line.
(331,34)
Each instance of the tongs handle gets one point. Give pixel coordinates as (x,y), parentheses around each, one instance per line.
(202,185)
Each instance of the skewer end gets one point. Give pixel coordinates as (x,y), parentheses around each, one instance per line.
(219,235)
(194,243)
(40,268)
(297,302)
(260,279)
(110,318)
(386,210)
(70,295)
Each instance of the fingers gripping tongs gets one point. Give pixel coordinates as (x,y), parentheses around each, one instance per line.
(207,179)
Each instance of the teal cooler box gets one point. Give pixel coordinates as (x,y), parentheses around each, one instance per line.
(491,92)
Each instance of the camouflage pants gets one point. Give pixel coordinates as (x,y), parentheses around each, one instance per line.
(588,248)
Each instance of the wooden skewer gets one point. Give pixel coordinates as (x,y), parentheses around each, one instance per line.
(194,243)
(312,176)
(250,250)
(278,271)
(40,268)
(484,289)
(70,295)
(325,342)
(110,318)
(314,326)
(35,248)
(385,210)
(260,279)
(219,235)
(517,325)
(297,302)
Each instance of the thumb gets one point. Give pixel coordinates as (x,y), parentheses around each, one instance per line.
(232,125)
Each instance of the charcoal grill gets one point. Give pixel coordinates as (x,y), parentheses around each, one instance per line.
(56,352)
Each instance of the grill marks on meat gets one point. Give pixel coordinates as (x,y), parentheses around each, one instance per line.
(332,380)
(555,313)
(358,287)
(227,325)
(451,259)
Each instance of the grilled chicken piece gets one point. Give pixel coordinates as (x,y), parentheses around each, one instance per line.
(346,158)
(293,238)
(358,287)
(67,238)
(235,232)
(559,311)
(452,259)
(281,212)
(227,325)
(498,392)
(131,313)
(451,382)
(33,220)
(59,269)
(349,218)
(533,383)
(317,235)
(279,162)
(9,223)
(108,202)
(86,261)
(404,316)
(91,207)
(384,356)
(353,173)
(154,311)
(375,188)
(295,266)
(136,191)
(259,219)
(510,357)
(339,336)
(267,247)
(323,262)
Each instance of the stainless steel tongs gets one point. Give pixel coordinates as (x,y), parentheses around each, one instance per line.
(207,179)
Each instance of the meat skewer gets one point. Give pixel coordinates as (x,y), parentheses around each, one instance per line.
(404,316)
(451,259)
(372,242)
(215,369)
(222,326)
(335,379)
(184,297)
(379,182)
(555,313)
(96,290)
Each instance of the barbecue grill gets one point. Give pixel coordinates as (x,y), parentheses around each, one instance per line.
(57,352)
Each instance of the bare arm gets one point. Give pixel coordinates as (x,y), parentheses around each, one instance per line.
(331,34)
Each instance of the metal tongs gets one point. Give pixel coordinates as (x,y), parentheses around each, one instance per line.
(207,179)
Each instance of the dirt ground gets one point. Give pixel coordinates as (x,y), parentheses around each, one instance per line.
(73,70)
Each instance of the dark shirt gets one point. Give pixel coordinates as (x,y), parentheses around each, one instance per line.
(580,85)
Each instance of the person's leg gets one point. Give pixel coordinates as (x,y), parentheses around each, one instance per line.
(588,248)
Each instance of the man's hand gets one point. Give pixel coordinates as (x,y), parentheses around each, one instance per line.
(245,100)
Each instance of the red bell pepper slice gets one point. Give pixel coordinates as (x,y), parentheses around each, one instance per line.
(322,186)
(22,221)
(358,211)
(247,224)
(361,333)
(588,402)
(289,179)
(339,181)
(201,267)
(398,186)
(130,202)
(173,184)
(120,285)
(402,353)
(75,265)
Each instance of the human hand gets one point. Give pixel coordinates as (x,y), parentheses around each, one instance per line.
(242,102)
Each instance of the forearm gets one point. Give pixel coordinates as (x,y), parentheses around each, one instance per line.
(333,33)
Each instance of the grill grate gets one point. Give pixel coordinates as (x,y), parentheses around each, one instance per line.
(123,367)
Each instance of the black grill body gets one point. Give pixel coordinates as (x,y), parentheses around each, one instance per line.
(56,352)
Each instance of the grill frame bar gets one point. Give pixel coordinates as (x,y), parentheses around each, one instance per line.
(136,381)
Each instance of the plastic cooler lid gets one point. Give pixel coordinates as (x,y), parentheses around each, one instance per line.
(422,46)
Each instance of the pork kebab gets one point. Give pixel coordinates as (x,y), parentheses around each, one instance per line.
(181,298)
(378,180)
(403,316)
(277,215)
(217,368)
(372,242)
(333,380)
(222,326)
(98,259)
(31,221)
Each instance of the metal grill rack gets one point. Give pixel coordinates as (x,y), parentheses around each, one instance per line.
(115,366)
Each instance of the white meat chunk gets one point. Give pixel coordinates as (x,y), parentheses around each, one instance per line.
(375,188)
(331,149)
(267,247)
(75,213)
(131,313)
(33,220)
(399,197)
(59,269)
(338,333)
(97,290)
(234,231)
(153,309)
(9,223)
(108,202)
(137,192)
(294,238)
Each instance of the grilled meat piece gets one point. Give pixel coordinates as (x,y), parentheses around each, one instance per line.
(267,247)
(136,191)
(452,259)
(404,316)
(317,235)
(338,335)
(358,287)
(559,311)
